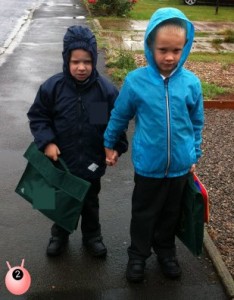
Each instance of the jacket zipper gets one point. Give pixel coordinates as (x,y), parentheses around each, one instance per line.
(80,126)
(81,107)
(168,127)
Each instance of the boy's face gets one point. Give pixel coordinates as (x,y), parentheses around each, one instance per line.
(80,64)
(168,48)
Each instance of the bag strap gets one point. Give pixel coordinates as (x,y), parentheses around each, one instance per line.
(64,180)
(63,164)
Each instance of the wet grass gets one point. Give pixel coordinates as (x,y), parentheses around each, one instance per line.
(224,58)
(217,44)
(229,36)
(108,39)
(202,34)
(211,91)
(143,10)
(114,24)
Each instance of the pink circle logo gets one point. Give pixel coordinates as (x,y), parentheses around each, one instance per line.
(18,279)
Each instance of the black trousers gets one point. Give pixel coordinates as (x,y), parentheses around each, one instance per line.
(156,206)
(90,226)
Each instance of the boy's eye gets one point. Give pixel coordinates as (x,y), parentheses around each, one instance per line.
(77,62)
(87,62)
(176,51)
(164,50)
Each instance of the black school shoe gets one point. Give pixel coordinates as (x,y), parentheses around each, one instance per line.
(56,245)
(170,267)
(95,247)
(135,270)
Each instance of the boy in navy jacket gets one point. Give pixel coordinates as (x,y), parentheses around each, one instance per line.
(68,118)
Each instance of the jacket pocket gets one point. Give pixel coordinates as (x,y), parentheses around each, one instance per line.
(149,158)
(98,113)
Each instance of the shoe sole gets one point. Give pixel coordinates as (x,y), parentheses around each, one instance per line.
(59,252)
(135,279)
(172,276)
(99,254)
(89,249)
(51,254)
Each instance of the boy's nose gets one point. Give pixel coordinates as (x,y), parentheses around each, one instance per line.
(81,66)
(169,56)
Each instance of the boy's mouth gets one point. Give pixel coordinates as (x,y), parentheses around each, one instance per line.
(81,76)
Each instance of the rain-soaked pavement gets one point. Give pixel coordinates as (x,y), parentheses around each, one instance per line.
(24,232)
(129,34)
(13,14)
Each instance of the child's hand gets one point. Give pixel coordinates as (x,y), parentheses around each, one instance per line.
(52,151)
(111,157)
(193,168)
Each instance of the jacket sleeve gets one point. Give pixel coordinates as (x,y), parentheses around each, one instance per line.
(121,114)
(121,145)
(197,119)
(41,119)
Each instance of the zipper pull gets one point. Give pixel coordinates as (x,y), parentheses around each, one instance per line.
(81,104)
(166,80)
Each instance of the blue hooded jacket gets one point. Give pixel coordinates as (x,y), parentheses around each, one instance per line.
(73,114)
(168,114)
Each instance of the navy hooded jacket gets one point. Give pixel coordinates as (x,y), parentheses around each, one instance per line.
(74,115)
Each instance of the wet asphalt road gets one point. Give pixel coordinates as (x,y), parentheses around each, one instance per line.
(25,232)
(13,14)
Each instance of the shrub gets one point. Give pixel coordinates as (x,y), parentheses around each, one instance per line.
(122,63)
(123,60)
(118,8)
(229,36)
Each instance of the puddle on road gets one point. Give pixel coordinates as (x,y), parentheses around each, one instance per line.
(54,3)
(74,17)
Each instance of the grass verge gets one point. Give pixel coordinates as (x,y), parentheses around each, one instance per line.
(143,10)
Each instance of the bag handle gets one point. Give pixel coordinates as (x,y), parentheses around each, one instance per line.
(63,164)
(60,178)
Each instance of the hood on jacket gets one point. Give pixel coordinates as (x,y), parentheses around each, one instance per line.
(157,18)
(78,37)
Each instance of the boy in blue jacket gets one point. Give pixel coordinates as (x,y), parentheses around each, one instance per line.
(166,102)
(68,118)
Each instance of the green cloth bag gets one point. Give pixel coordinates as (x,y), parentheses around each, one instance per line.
(56,193)
(191,225)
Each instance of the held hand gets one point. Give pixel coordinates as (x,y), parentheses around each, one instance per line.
(115,157)
(52,151)
(193,168)
(111,157)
